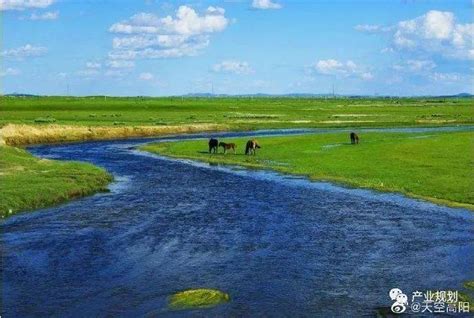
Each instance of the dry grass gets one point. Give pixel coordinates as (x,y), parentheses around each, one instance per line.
(16,135)
(435,121)
(346,121)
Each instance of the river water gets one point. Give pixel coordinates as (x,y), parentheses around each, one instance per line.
(280,246)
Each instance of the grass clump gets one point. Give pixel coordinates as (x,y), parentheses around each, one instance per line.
(438,167)
(27,182)
(45,120)
(469,284)
(197,298)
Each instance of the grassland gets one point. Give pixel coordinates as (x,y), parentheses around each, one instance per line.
(437,166)
(27,182)
(73,118)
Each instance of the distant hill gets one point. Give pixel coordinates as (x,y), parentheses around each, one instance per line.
(21,95)
(463,95)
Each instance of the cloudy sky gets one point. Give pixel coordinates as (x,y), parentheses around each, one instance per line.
(152,47)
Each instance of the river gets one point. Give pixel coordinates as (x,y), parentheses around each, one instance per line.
(280,246)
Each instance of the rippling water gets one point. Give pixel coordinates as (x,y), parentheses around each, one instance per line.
(280,246)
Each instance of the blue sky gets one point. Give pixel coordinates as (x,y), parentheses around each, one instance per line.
(151,47)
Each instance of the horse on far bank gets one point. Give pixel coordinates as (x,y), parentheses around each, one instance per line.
(227,146)
(354,138)
(251,147)
(213,144)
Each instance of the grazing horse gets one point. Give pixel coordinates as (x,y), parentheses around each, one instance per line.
(213,143)
(251,147)
(227,146)
(354,138)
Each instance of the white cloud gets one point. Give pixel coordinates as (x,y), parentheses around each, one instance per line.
(120,64)
(27,50)
(145,35)
(415,66)
(187,22)
(435,32)
(327,66)
(387,50)
(156,53)
(93,65)
(44,16)
(9,72)
(366,76)
(338,68)
(88,72)
(265,4)
(24,4)
(111,68)
(446,77)
(146,77)
(116,73)
(233,66)
(371,28)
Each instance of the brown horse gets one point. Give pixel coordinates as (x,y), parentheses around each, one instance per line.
(227,146)
(251,147)
(354,138)
(213,143)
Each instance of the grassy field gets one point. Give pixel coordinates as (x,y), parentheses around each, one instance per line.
(27,182)
(435,166)
(239,113)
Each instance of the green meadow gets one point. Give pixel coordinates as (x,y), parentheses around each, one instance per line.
(238,113)
(435,166)
(28,183)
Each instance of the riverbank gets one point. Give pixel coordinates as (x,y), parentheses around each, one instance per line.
(21,135)
(435,166)
(29,183)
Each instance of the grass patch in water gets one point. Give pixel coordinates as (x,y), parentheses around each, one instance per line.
(197,298)
(467,296)
(28,182)
(469,284)
(439,168)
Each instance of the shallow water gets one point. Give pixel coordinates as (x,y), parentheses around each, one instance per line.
(280,246)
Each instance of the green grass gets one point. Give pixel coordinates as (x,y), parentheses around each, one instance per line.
(469,284)
(435,166)
(467,294)
(197,298)
(27,182)
(238,113)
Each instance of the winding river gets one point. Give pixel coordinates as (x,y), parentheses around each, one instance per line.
(280,246)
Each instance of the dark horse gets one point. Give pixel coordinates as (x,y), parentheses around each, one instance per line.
(354,138)
(251,147)
(213,145)
(227,146)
